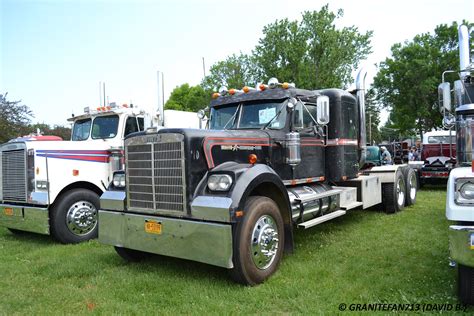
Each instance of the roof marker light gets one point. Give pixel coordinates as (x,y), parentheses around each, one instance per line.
(273,83)
(223,90)
(215,95)
(262,87)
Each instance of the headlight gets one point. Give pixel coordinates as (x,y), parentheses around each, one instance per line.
(119,180)
(219,182)
(465,191)
(41,185)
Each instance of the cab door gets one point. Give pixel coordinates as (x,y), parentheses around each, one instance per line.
(312,163)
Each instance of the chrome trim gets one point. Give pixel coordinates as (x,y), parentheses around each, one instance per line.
(198,241)
(113,200)
(264,242)
(211,208)
(360,86)
(464,60)
(464,139)
(460,244)
(41,198)
(465,107)
(31,219)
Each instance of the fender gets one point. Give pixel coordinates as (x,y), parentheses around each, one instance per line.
(262,180)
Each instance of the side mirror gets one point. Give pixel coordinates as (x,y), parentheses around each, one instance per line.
(322,111)
(201,114)
(291,104)
(444,96)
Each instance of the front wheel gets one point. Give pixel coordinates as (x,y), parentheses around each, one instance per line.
(258,242)
(74,216)
(466,284)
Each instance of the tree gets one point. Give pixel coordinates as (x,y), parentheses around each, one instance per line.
(45,129)
(235,71)
(187,98)
(407,82)
(14,118)
(372,118)
(311,53)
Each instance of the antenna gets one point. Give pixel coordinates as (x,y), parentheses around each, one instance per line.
(104,94)
(203,67)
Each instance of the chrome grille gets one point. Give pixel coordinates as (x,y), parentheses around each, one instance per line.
(155,174)
(14,175)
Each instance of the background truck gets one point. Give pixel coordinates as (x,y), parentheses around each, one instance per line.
(460,190)
(438,154)
(274,158)
(53,187)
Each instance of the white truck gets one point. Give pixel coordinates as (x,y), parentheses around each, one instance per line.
(460,190)
(53,187)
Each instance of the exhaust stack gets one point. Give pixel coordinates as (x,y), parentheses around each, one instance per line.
(360,86)
(464,58)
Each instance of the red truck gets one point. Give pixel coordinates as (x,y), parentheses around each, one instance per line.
(438,154)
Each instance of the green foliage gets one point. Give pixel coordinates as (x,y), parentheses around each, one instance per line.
(187,98)
(407,82)
(363,257)
(45,129)
(235,71)
(14,118)
(311,53)
(372,118)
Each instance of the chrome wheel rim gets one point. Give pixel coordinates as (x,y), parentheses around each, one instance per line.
(264,243)
(81,218)
(400,192)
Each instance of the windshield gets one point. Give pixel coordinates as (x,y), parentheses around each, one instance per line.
(81,130)
(252,115)
(105,127)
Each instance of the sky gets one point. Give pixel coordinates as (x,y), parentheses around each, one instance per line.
(54,53)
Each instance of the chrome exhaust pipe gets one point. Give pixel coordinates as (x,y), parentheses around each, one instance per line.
(360,87)
(464,58)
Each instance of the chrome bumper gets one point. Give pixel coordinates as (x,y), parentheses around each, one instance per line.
(31,219)
(205,242)
(461,244)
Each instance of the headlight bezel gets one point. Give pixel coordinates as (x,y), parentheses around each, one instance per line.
(461,198)
(119,180)
(220,182)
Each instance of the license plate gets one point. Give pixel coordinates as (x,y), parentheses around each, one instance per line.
(8,211)
(153,227)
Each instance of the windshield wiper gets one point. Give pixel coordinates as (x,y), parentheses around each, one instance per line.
(232,118)
(273,118)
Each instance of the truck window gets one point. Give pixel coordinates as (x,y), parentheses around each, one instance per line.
(81,129)
(141,123)
(303,115)
(105,127)
(221,116)
(441,140)
(131,125)
(258,115)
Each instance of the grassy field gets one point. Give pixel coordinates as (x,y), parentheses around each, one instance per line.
(363,257)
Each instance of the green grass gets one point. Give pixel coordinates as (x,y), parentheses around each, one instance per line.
(363,257)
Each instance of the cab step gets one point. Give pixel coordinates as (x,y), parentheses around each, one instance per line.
(321,219)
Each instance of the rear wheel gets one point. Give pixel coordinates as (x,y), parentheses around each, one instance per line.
(74,216)
(466,284)
(258,242)
(394,194)
(411,182)
(131,255)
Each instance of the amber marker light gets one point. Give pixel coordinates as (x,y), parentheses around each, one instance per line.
(252,159)
(262,87)
(37,170)
(246,89)
(232,91)
(239,213)
(75,172)
(285,85)
(215,95)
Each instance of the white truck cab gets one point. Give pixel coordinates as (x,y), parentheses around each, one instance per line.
(53,187)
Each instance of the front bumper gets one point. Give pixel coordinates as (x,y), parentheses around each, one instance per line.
(461,244)
(26,218)
(200,241)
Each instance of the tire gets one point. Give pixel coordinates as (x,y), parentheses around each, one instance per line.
(394,194)
(131,255)
(262,223)
(411,183)
(74,217)
(466,284)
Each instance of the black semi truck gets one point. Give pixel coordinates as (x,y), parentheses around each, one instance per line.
(274,158)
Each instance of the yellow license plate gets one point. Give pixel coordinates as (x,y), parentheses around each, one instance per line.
(153,227)
(8,211)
